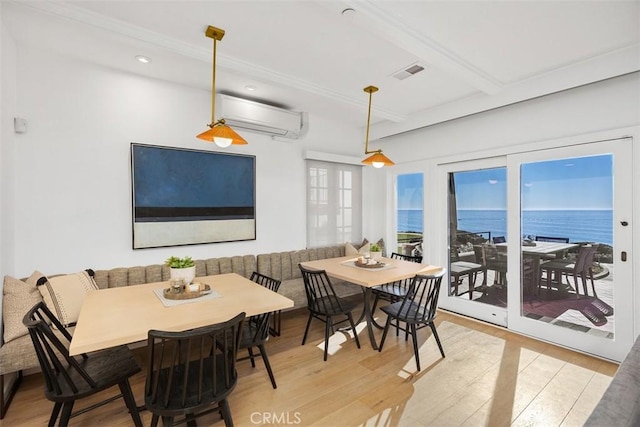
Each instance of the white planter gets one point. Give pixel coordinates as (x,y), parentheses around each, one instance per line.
(376,255)
(186,274)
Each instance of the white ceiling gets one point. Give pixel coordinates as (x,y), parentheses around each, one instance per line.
(308,56)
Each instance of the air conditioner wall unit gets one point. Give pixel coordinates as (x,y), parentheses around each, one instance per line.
(252,116)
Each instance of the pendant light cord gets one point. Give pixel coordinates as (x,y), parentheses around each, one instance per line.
(213,85)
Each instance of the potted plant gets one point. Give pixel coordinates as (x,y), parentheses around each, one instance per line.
(182,268)
(375,251)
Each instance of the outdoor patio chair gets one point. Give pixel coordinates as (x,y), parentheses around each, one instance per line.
(458,270)
(581,268)
(492,259)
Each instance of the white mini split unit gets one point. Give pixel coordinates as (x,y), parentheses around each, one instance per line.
(261,118)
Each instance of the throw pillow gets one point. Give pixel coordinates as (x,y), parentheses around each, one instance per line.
(64,294)
(350,250)
(381,244)
(18,298)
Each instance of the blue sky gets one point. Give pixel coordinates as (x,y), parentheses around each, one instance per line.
(572,183)
(410,194)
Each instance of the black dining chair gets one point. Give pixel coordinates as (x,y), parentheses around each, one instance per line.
(273,285)
(394,291)
(256,328)
(70,378)
(324,304)
(416,310)
(192,373)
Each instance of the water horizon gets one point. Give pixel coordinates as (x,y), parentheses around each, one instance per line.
(579,225)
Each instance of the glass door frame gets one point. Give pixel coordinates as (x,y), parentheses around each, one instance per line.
(618,347)
(486,312)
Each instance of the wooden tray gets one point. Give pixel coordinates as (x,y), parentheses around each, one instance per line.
(186,294)
(377,265)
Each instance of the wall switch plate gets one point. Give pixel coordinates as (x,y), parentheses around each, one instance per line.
(19,125)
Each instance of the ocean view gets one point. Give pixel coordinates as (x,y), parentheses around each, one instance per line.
(577,225)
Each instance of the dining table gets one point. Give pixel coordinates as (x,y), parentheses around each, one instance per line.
(345,268)
(124,315)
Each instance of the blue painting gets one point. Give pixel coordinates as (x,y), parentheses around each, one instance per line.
(183,196)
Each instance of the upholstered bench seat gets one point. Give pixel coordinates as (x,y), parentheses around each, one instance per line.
(18,354)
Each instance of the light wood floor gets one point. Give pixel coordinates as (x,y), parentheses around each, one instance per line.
(490,377)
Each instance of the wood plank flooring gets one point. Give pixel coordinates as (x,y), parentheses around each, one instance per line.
(490,377)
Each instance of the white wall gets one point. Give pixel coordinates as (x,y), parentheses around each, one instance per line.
(71,173)
(7,112)
(610,104)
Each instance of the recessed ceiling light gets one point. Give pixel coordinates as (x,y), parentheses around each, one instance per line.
(143,59)
(250,87)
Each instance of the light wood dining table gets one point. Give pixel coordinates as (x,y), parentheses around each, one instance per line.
(124,315)
(344,268)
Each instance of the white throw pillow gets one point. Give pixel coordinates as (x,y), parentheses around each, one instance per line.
(64,294)
(350,250)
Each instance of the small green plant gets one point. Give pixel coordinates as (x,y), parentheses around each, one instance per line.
(375,248)
(175,262)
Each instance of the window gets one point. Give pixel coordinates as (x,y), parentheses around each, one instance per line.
(334,203)
(410,214)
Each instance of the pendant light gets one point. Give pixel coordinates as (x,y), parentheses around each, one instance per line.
(218,132)
(377,159)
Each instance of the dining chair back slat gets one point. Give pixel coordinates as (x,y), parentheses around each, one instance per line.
(68,378)
(192,373)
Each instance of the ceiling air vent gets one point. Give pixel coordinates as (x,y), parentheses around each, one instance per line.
(408,71)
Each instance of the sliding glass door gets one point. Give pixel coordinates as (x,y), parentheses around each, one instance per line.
(534,240)
(572,213)
(477,220)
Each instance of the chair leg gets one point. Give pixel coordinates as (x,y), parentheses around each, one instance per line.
(67,407)
(167,421)
(265,359)
(414,337)
(384,333)
(191,420)
(54,414)
(154,420)
(251,356)
(353,328)
(306,330)
(226,413)
(327,327)
(435,335)
(6,401)
(127,395)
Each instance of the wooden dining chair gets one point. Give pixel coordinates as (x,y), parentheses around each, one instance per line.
(416,310)
(256,329)
(192,373)
(272,285)
(68,378)
(324,304)
(396,290)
